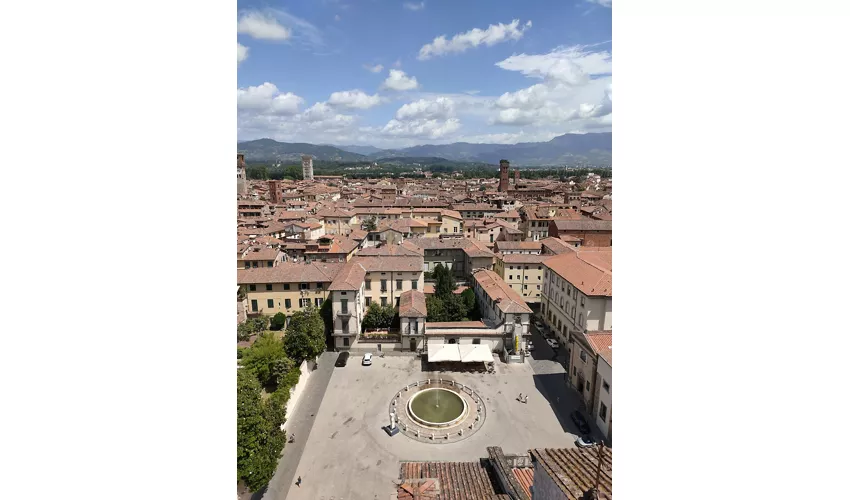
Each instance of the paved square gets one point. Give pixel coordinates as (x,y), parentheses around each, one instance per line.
(349,457)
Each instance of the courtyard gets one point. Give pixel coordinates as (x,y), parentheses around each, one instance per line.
(348,456)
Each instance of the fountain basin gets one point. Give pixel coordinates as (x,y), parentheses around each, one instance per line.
(437,408)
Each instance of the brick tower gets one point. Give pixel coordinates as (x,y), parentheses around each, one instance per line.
(504,166)
(274,191)
(516,177)
(241,175)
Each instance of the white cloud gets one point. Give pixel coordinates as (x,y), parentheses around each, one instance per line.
(398,80)
(495,33)
(414,6)
(439,108)
(267,99)
(262,26)
(531,97)
(472,92)
(426,129)
(604,3)
(569,65)
(374,69)
(241,53)
(354,99)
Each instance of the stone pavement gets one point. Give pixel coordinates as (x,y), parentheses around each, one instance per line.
(349,457)
(299,424)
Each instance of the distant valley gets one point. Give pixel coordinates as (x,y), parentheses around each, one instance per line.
(567,149)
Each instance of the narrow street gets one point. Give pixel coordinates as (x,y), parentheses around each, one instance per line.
(300,424)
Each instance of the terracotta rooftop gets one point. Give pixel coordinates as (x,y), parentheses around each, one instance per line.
(555,245)
(288,272)
(588,269)
(449,481)
(519,245)
(399,263)
(350,277)
(573,470)
(507,300)
(390,250)
(411,304)
(522,258)
(583,225)
(525,478)
(601,343)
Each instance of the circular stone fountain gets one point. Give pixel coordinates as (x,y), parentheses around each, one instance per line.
(437,411)
(436,407)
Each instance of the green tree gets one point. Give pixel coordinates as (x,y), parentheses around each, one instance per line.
(455,306)
(370,224)
(436,310)
(278,321)
(445,283)
(378,316)
(261,358)
(305,337)
(258,441)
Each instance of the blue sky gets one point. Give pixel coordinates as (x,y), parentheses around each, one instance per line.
(396,73)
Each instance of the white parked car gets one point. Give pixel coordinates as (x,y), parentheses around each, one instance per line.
(552,343)
(529,346)
(367,359)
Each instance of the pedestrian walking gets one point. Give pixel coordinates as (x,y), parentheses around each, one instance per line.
(298,483)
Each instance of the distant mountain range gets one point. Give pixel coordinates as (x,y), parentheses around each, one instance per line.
(562,150)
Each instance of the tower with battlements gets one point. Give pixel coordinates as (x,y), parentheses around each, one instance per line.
(241,175)
(504,166)
(307,167)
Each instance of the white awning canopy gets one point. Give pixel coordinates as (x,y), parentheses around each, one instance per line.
(467,353)
(443,352)
(475,353)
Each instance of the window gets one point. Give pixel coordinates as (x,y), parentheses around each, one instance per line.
(581,320)
(511,268)
(269,264)
(397,300)
(606,387)
(538,287)
(476,341)
(603,411)
(510,276)
(344,303)
(305,286)
(583,356)
(368,301)
(368,284)
(398,285)
(455,228)
(287,303)
(268,287)
(582,301)
(303,302)
(383,285)
(574,371)
(539,268)
(383,301)
(254,305)
(286,286)
(255,264)
(345,341)
(319,303)
(252,288)
(525,287)
(414,285)
(575,293)
(247,265)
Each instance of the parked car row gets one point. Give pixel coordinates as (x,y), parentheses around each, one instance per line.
(342,360)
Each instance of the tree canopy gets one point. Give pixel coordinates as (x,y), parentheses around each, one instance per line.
(259,440)
(305,336)
(378,316)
